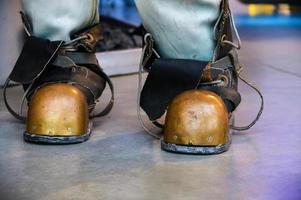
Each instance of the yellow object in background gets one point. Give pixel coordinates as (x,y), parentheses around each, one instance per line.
(261,9)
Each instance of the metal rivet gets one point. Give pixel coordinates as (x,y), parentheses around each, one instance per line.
(210,139)
(175,137)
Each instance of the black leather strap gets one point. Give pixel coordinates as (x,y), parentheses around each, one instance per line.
(109,106)
(83,58)
(36,54)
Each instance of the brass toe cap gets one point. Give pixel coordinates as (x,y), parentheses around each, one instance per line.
(58,110)
(197,118)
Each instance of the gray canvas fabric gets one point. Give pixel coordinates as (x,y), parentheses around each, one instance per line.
(58,19)
(181,28)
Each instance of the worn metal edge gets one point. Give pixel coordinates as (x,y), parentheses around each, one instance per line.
(44,139)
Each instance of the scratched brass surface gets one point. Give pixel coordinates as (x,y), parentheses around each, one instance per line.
(197,118)
(58,110)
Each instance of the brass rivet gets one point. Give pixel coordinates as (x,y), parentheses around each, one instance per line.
(210,139)
(175,137)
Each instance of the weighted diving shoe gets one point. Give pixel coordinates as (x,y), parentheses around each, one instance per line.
(190,55)
(59,71)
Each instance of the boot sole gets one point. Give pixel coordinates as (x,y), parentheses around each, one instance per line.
(195,150)
(44,139)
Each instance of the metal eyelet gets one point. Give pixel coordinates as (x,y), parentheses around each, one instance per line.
(89,38)
(224,37)
(224,80)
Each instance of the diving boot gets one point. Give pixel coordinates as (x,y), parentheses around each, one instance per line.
(59,71)
(190,54)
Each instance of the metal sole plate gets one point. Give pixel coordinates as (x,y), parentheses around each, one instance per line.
(196,150)
(45,139)
(199,150)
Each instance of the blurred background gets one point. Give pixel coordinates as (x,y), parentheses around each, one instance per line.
(248,12)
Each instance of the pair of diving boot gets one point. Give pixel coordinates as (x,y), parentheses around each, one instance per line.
(192,74)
